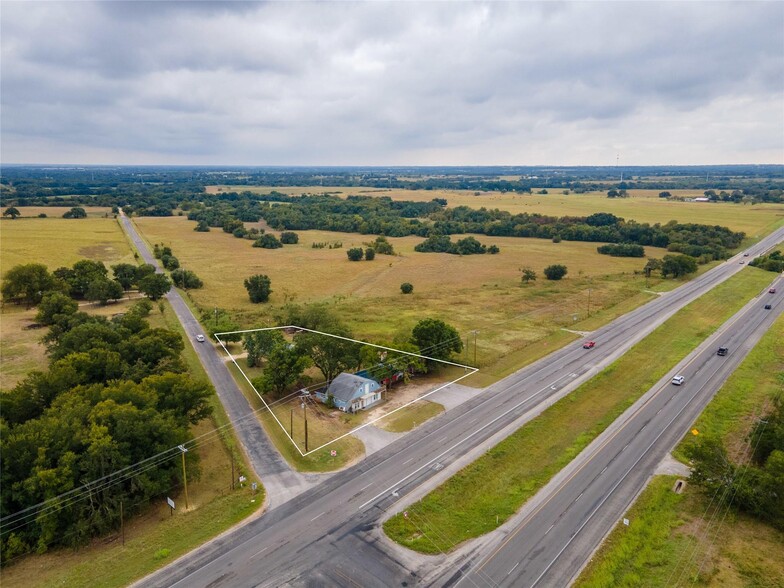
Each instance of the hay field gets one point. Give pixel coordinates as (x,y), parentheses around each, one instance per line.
(56,241)
(642,205)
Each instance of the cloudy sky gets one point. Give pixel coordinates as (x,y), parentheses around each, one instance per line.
(403,83)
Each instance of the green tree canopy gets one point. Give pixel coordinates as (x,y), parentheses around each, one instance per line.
(285,365)
(259,344)
(555,271)
(259,288)
(28,283)
(435,338)
(154,286)
(12,212)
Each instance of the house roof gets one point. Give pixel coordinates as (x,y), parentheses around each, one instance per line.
(345,387)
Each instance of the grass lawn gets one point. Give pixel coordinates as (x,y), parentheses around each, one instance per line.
(484,494)
(669,538)
(644,206)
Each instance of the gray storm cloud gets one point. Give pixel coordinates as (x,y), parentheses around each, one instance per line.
(398,83)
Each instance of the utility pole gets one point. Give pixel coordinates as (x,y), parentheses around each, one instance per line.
(232,472)
(184,476)
(305,415)
(122,523)
(291,425)
(589,302)
(216,316)
(475,332)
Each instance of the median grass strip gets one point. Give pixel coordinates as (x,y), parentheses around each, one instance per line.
(486,493)
(666,528)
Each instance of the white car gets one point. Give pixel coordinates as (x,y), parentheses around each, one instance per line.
(678,380)
(200,338)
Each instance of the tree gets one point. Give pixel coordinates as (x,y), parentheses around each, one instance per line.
(678,265)
(406,288)
(370,254)
(436,339)
(665,195)
(55,306)
(170,262)
(220,321)
(260,344)
(28,283)
(651,266)
(493,249)
(186,279)
(103,289)
(144,270)
(355,254)
(289,238)
(202,227)
(83,273)
(382,246)
(285,365)
(555,272)
(330,354)
(154,286)
(76,212)
(125,273)
(268,242)
(12,212)
(258,287)
(529,275)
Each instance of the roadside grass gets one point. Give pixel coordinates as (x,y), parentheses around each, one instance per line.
(669,540)
(644,206)
(411,417)
(484,494)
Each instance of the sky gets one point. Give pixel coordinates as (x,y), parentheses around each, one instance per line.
(400,83)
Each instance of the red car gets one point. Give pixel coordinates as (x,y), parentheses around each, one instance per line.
(772,291)
(589,344)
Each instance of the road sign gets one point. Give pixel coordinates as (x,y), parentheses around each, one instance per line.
(626,522)
(253,486)
(170,502)
(695,432)
(242,479)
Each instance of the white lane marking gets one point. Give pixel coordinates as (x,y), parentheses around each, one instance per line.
(259,552)
(405,462)
(368,486)
(440,441)
(472,422)
(317,516)
(513,569)
(600,473)
(550,529)
(579,497)
(443,453)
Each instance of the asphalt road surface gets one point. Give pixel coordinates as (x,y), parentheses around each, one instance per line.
(551,544)
(328,535)
(279,480)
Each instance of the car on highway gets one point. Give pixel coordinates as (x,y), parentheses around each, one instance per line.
(741,262)
(722,351)
(589,344)
(768,307)
(678,380)
(745,255)
(200,338)
(772,291)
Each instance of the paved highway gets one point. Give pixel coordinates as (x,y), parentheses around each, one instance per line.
(571,516)
(328,535)
(280,481)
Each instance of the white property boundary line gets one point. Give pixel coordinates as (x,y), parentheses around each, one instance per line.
(469,371)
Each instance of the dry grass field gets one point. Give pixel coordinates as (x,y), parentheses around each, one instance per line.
(642,205)
(479,292)
(55,242)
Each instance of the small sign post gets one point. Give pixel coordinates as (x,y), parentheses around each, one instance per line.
(626,522)
(171,505)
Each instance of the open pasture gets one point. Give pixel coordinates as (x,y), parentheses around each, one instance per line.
(56,241)
(643,205)
(477,292)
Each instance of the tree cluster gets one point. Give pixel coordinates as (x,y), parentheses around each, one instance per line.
(774,262)
(114,394)
(622,250)
(756,487)
(443,244)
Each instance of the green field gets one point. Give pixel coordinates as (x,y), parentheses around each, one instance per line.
(411,417)
(670,537)
(484,494)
